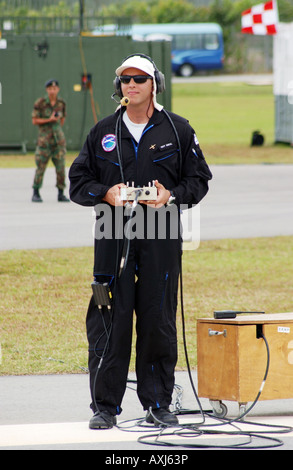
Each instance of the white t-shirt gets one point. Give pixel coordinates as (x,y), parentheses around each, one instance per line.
(135,129)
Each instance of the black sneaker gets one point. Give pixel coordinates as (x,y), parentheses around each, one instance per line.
(161,417)
(102,420)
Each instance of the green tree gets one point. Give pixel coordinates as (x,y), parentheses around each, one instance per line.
(173,11)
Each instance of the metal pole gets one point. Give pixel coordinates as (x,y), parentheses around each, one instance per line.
(81,14)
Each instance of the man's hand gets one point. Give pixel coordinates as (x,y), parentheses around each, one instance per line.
(54,118)
(40,121)
(162,199)
(112,196)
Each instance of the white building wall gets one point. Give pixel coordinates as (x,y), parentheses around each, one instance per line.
(283,82)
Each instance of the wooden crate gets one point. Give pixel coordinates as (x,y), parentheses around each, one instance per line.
(232,361)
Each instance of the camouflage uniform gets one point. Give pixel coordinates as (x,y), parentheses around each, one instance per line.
(51,141)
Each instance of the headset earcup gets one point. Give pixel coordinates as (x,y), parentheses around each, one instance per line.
(117,87)
(160,81)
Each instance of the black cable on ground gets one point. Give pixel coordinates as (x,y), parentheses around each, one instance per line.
(195,431)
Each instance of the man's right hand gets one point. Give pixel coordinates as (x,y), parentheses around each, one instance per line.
(112,196)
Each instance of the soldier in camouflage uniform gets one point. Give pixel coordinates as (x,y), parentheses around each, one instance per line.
(49,114)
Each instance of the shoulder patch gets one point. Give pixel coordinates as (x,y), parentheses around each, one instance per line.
(109,142)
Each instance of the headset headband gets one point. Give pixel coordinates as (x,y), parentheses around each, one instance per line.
(159,76)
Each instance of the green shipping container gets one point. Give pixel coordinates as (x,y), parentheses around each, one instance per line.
(28,61)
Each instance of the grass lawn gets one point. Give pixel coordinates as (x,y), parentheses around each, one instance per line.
(224,115)
(45,294)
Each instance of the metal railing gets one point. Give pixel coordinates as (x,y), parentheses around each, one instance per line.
(10,25)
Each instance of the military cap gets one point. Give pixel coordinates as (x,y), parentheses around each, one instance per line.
(51,82)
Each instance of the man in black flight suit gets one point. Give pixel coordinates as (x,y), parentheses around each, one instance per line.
(140,143)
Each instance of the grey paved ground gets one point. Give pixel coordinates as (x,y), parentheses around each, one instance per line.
(244,201)
(52,412)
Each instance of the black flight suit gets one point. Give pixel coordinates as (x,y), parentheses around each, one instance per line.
(149,283)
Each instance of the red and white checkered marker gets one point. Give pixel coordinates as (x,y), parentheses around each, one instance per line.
(260,19)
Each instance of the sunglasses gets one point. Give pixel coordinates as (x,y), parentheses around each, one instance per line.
(125,79)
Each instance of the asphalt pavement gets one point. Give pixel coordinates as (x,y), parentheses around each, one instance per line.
(52,412)
(244,201)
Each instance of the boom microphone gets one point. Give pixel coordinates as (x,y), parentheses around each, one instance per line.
(125,101)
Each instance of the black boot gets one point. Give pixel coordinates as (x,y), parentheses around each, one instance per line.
(102,420)
(61,197)
(36,196)
(161,417)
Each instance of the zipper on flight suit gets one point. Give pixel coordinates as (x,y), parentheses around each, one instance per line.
(134,143)
(153,367)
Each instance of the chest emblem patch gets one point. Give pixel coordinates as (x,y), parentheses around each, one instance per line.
(109,142)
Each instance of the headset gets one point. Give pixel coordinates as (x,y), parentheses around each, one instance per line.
(159,76)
